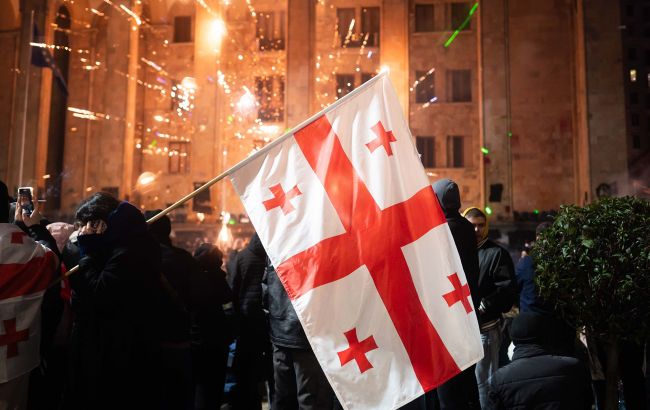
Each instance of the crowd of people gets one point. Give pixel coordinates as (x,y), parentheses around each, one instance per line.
(144,324)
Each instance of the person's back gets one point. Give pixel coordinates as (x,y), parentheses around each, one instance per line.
(537,379)
(211,332)
(460,392)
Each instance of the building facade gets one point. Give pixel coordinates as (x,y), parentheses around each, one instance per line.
(521,102)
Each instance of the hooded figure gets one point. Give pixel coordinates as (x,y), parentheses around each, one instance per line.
(116,295)
(462,230)
(460,392)
(539,378)
(252,358)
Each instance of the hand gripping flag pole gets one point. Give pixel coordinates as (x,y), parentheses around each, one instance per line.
(384,72)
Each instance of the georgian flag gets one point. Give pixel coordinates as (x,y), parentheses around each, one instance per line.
(26,269)
(356,234)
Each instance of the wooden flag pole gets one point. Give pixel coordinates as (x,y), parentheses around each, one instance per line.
(262,151)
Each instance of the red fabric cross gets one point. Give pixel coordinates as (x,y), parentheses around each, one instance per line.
(459,294)
(17,237)
(357,350)
(282,199)
(11,337)
(374,237)
(384,138)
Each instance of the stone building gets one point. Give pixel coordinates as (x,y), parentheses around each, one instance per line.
(521,102)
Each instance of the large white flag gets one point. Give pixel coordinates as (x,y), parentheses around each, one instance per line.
(26,269)
(356,234)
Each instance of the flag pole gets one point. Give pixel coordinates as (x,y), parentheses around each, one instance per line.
(257,154)
(27,73)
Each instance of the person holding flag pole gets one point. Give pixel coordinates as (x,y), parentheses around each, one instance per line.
(353,228)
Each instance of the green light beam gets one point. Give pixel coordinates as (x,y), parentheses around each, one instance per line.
(462,26)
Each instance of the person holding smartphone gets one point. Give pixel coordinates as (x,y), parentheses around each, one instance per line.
(28,263)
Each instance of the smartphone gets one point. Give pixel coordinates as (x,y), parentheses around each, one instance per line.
(26,199)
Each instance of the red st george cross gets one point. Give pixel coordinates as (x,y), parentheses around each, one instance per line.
(459,294)
(17,237)
(357,350)
(11,337)
(384,138)
(281,199)
(374,238)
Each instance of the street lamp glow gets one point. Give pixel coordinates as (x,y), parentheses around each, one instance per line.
(246,102)
(189,83)
(146,178)
(218,31)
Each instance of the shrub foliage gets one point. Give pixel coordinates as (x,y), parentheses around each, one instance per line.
(593,264)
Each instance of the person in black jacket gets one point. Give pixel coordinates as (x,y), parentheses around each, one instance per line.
(460,392)
(179,269)
(540,376)
(497,291)
(252,357)
(211,330)
(115,341)
(299,380)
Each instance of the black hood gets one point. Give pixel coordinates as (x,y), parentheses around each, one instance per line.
(448,195)
(255,246)
(531,328)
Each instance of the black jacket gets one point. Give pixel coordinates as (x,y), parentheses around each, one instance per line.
(211,325)
(463,232)
(285,327)
(179,269)
(247,281)
(497,285)
(540,376)
(115,336)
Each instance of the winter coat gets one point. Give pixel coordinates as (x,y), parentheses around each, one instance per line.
(116,295)
(285,327)
(540,376)
(211,326)
(496,282)
(179,270)
(247,280)
(462,231)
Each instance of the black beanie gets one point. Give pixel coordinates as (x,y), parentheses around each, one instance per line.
(4,203)
(530,328)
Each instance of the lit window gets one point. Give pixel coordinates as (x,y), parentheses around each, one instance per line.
(270,95)
(633,75)
(270,30)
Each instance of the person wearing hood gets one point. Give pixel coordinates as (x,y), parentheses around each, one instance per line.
(179,269)
(461,392)
(497,289)
(211,330)
(252,357)
(116,295)
(540,376)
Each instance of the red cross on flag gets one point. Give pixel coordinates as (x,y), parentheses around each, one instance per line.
(26,269)
(363,249)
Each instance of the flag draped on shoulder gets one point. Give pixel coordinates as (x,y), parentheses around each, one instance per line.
(26,269)
(351,224)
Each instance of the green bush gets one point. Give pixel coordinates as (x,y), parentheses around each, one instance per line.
(593,265)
